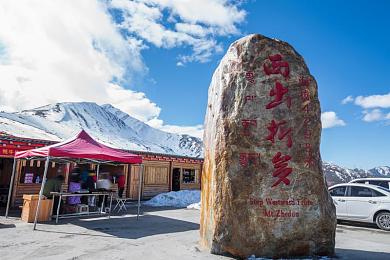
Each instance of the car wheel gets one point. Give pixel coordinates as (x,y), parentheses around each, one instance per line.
(383,221)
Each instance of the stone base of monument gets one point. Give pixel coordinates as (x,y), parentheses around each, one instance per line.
(263,190)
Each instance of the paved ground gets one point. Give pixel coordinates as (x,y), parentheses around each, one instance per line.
(159,234)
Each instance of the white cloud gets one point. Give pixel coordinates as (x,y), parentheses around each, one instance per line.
(220,14)
(57,51)
(64,52)
(374,101)
(373,106)
(373,115)
(196,130)
(330,119)
(190,23)
(347,100)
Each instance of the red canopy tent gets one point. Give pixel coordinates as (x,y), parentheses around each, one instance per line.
(80,148)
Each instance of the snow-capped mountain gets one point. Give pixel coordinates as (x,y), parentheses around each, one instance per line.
(383,171)
(114,127)
(105,123)
(335,174)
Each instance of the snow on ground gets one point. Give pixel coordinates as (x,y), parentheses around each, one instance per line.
(179,199)
(194,206)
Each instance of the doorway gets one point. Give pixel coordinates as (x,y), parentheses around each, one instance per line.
(5,179)
(176,179)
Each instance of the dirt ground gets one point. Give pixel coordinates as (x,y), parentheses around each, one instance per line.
(161,233)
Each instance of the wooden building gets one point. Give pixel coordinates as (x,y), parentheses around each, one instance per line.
(162,172)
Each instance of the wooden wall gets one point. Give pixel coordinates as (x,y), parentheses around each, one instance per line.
(157,178)
(32,188)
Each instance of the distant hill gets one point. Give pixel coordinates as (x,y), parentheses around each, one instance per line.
(335,174)
(106,123)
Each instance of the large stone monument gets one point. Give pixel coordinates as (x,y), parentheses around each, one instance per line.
(263,190)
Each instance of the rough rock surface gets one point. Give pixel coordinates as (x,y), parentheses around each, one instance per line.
(263,190)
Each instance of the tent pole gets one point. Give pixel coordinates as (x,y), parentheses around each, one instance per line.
(11,187)
(139,189)
(41,192)
(97,171)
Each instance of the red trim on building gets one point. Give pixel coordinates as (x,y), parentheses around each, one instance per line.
(10,144)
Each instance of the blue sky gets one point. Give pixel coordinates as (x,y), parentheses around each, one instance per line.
(154,59)
(346,45)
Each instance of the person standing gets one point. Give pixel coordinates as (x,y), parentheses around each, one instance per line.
(53,185)
(121,184)
(74,186)
(103,184)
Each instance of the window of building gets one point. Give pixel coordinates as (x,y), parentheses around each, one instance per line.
(189,176)
(32,172)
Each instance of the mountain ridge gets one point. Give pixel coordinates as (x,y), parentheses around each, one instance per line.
(60,121)
(335,174)
(112,126)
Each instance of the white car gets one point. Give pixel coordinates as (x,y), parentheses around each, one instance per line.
(363,203)
(383,182)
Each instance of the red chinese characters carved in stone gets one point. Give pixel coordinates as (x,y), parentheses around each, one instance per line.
(282,171)
(305,94)
(250,98)
(306,121)
(278,93)
(277,66)
(307,147)
(277,128)
(250,76)
(249,158)
(309,160)
(246,124)
(306,107)
(304,81)
(307,133)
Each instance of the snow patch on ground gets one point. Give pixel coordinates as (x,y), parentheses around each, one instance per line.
(194,206)
(179,199)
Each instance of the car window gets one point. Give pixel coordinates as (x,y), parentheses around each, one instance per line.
(359,181)
(360,192)
(338,191)
(384,184)
(385,189)
(377,193)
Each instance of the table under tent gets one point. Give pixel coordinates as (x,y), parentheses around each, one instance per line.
(80,149)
